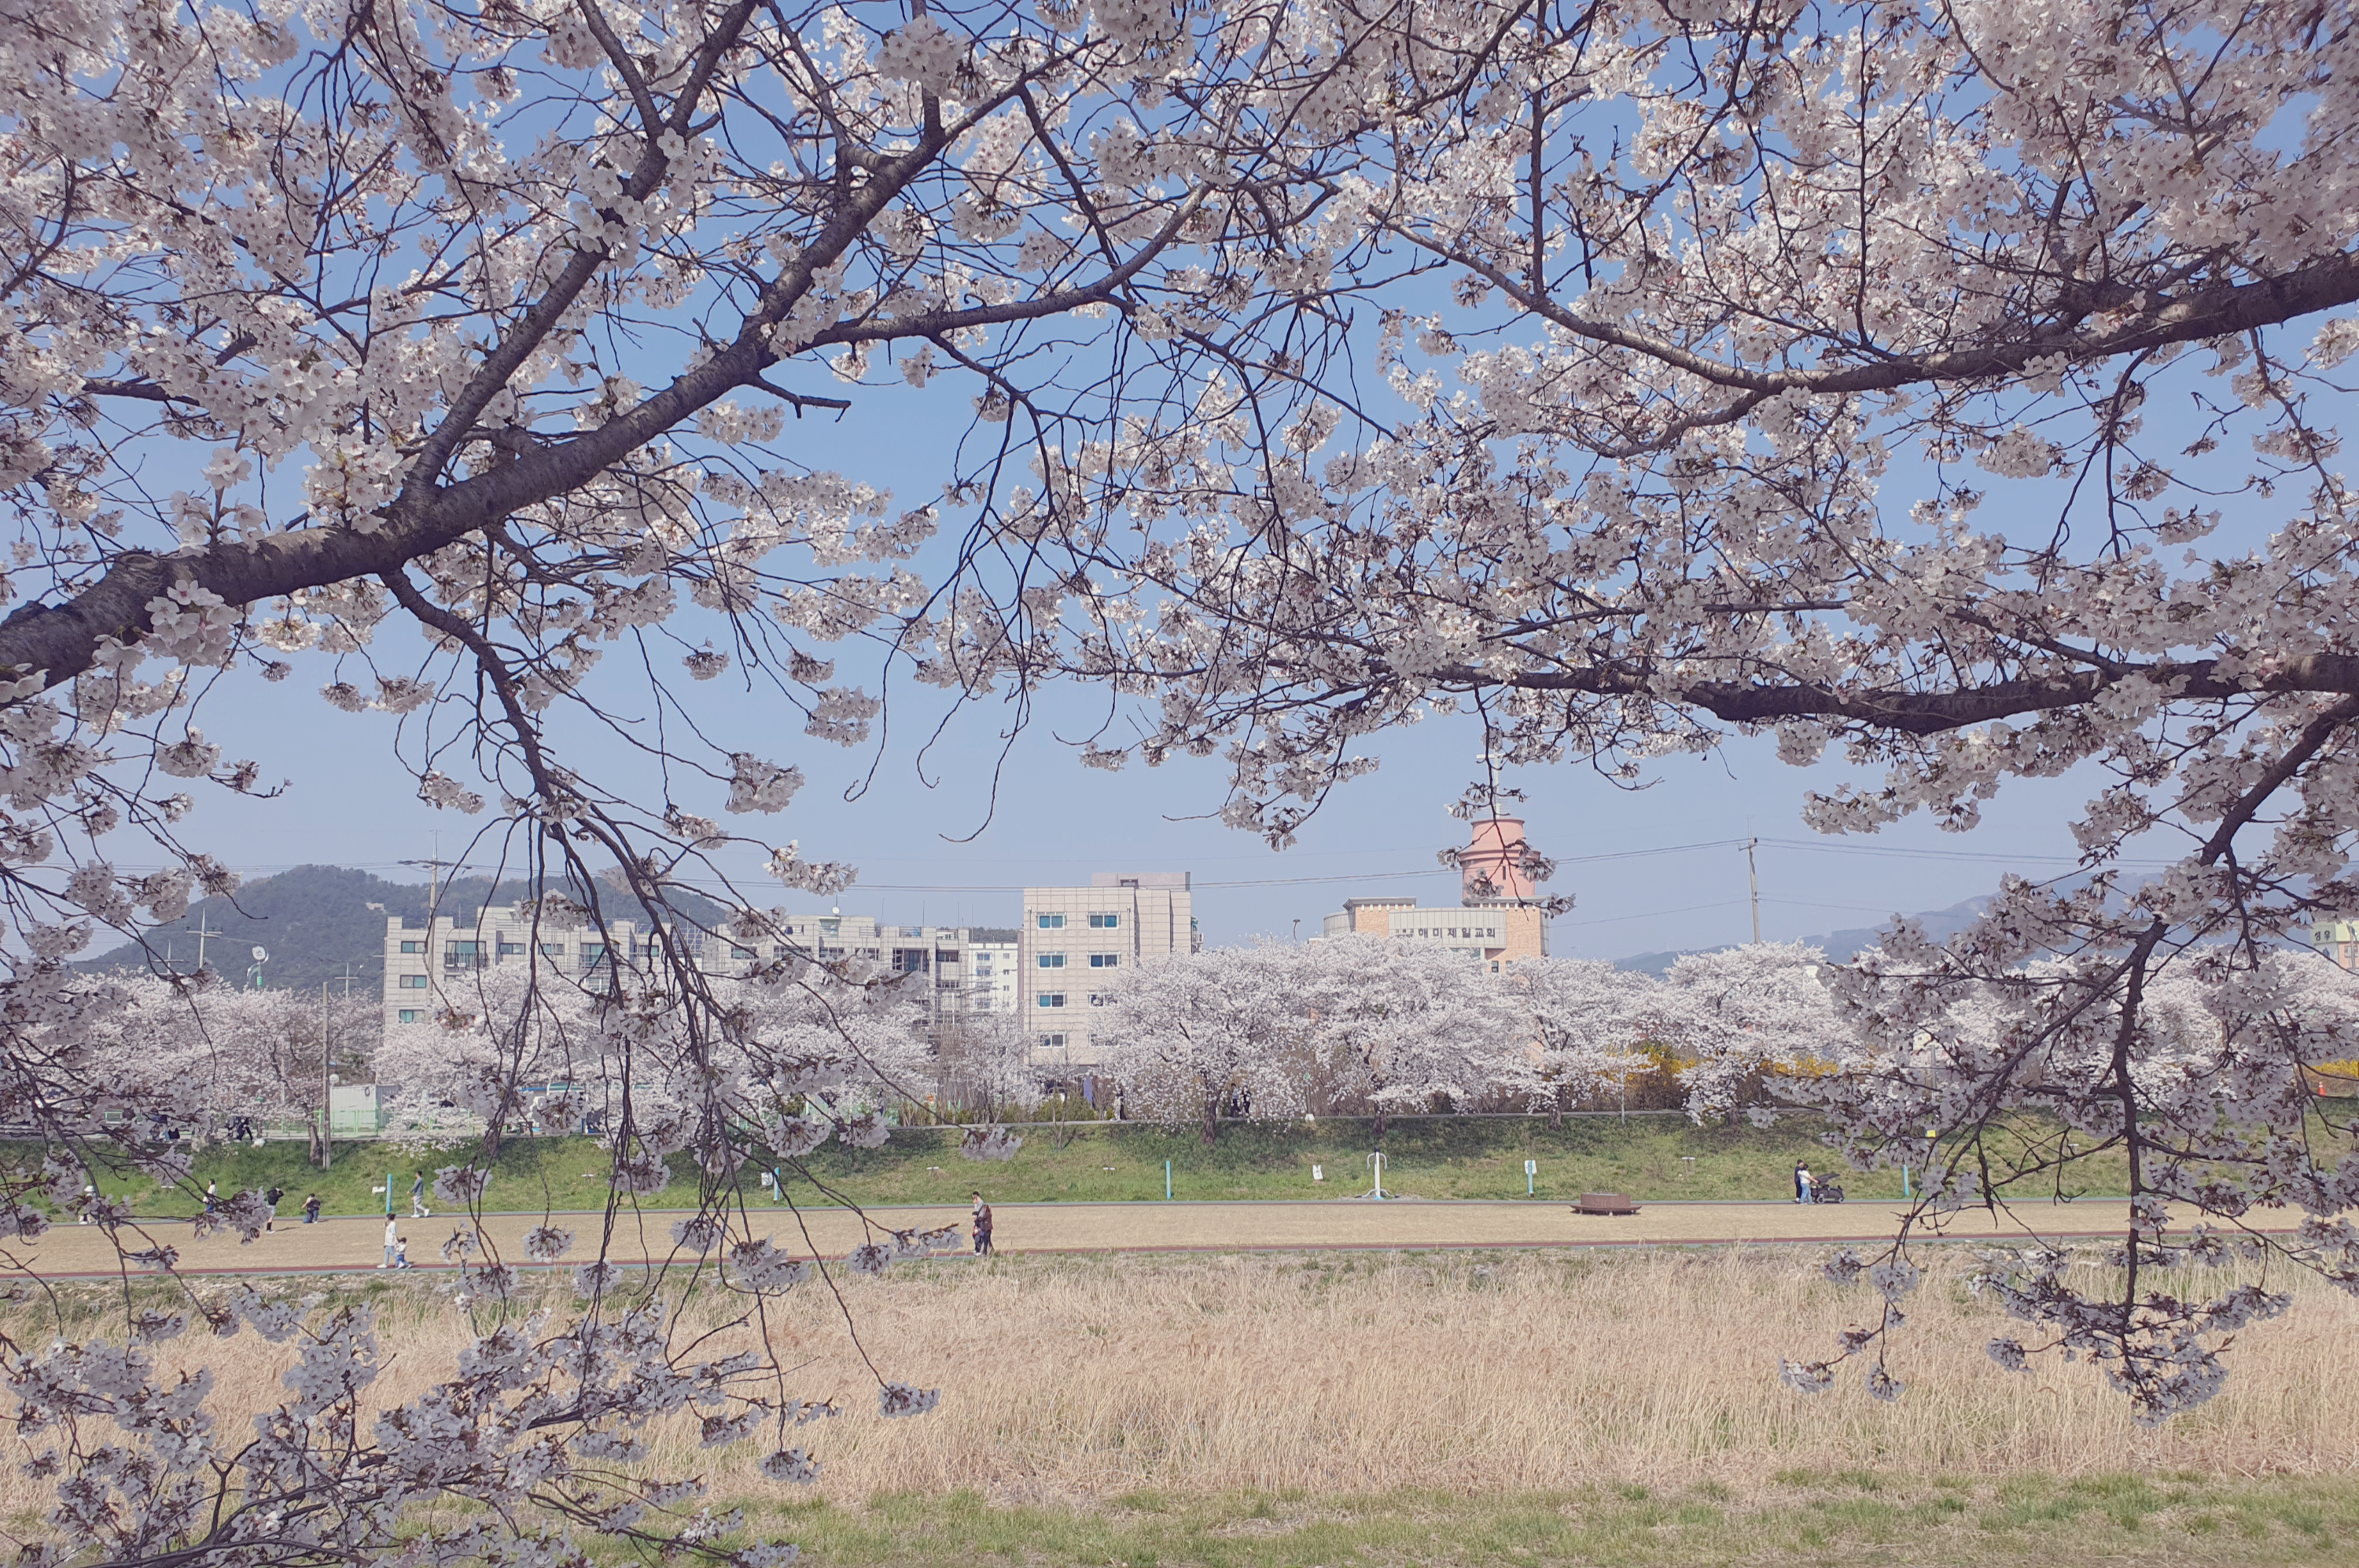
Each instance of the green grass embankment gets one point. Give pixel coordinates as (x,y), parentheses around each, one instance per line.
(1654,1158)
(1859,1517)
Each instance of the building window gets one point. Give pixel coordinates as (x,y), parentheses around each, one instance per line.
(1050,961)
(1105,960)
(1104,922)
(1052,1042)
(413,982)
(593,953)
(1052,998)
(736,952)
(508,950)
(411,1015)
(462,955)
(553,950)
(1096,1000)
(413,947)
(1052,922)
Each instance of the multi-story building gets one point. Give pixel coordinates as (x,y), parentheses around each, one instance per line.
(1074,939)
(996,983)
(2339,940)
(1498,917)
(952,969)
(431,962)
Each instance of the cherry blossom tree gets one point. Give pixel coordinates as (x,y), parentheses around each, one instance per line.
(2192,1077)
(986,1059)
(1740,1012)
(1194,1037)
(1404,1024)
(197,1053)
(1589,1023)
(1951,385)
(1954,386)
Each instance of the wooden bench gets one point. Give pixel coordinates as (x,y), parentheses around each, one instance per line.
(1605,1204)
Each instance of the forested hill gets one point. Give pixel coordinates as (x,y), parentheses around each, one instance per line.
(316,920)
(1840,946)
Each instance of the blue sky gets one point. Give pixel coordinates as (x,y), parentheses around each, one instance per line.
(346,804)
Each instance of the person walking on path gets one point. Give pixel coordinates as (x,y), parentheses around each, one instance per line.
(212,1198)
(270,1200)
(401,1252)
(392,1240)
(89,1196)
(982,1228)
(1801,1182)
(418,1209)
(312,1209)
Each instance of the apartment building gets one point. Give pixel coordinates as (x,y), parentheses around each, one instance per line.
(1074,939)
(2337,940)
(952,969)
(428,963)
(994,968)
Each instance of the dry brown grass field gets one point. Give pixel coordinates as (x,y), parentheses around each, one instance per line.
(1377,1407)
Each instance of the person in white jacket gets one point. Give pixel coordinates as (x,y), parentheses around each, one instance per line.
(392,1240)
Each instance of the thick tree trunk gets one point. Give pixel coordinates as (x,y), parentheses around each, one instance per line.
(1212,1131)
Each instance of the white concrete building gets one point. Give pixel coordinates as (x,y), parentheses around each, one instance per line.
(426,962)
(951,968)
(1073,940)
(996,982)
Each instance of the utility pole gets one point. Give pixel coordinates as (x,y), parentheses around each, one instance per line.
(203,917)
(1753,877)
(435,866)
(327,1087)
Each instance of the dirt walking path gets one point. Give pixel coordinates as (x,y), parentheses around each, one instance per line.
(334,1245)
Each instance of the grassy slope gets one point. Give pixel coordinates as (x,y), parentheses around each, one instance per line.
(1858,1517)
(1438,1157)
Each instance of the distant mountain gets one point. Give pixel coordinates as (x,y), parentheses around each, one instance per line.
(317,919)
(1839,945)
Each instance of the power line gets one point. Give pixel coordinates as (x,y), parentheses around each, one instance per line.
(1806,846)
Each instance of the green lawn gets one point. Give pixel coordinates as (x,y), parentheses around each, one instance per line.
(1654,1159)
(1855,1518)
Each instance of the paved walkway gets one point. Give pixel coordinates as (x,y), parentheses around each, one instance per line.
(337,1245)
